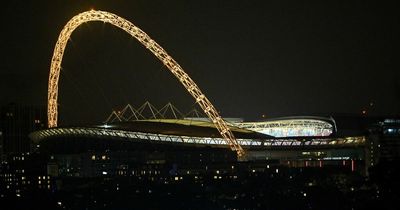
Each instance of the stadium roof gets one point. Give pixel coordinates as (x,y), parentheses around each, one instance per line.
(181,127)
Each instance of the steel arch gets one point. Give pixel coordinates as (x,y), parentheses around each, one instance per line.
(157,50)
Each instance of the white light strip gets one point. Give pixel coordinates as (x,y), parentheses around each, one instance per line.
(132,135)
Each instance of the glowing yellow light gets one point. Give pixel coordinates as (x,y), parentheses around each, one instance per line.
(157,50)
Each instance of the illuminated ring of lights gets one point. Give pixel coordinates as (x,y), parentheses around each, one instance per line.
(157,50)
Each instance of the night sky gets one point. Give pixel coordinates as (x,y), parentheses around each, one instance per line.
(250,58)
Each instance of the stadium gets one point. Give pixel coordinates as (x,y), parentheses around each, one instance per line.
(128,139)
(165,136)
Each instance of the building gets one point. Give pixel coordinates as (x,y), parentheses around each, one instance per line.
(131,142)
(383,145)
(24,173)
(155,146)
(16,122)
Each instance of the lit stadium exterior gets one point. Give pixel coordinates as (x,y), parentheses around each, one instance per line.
(118,132)
(184,142)
(293,126)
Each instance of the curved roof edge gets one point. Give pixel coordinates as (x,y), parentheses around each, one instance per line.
(323,118)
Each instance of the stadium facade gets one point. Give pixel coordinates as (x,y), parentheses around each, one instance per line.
(130,143)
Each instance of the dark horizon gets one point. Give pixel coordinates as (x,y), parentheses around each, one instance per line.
(249,58)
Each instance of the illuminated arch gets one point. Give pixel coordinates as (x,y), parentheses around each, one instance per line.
(150,44)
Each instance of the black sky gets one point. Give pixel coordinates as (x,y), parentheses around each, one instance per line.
(276,58)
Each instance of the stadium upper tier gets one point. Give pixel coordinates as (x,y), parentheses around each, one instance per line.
(292,126)
(184,132)
(297,126)
(182,127)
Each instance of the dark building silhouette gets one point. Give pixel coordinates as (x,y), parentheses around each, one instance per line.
(384,144)
(16,122)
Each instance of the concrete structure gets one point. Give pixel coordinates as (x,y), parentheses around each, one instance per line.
(193,145)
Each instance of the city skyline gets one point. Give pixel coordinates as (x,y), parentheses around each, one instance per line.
(250,59)
(301,104)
